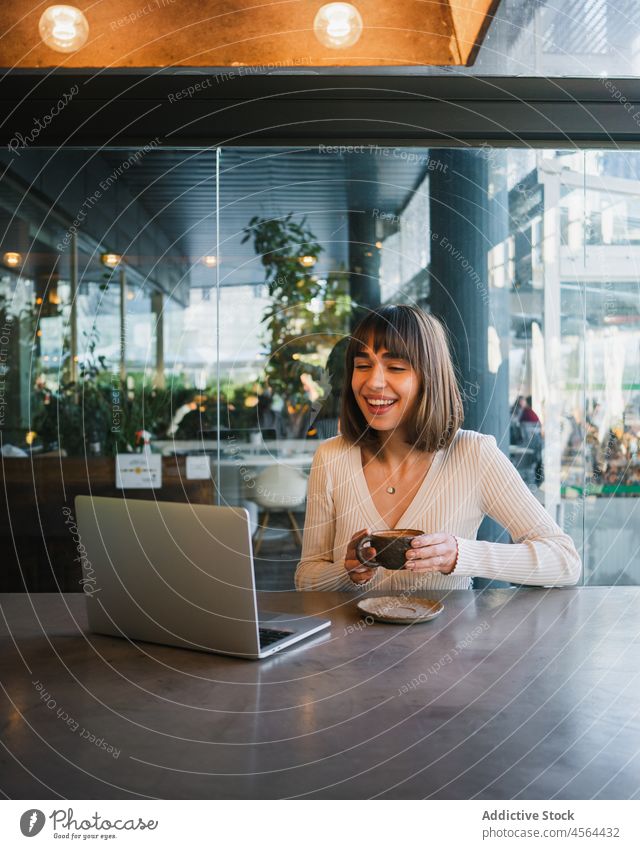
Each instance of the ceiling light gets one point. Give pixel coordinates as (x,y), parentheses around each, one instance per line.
(307,261)
(111,260)
(338,25)
(12,259)
(63,28)
(210,261)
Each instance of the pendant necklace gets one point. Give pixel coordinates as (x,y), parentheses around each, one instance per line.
(392,490)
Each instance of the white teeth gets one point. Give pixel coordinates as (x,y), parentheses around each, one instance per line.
(380,403)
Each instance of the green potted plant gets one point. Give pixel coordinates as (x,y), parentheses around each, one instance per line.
(76,417)
(307,315)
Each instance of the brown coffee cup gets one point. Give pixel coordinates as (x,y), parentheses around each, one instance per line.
(390,546)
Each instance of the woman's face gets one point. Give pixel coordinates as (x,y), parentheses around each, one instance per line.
(385,388)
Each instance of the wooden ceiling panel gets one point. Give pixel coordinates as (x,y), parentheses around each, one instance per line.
(231,33)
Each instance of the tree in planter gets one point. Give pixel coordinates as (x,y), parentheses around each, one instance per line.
(306,315)
(79,413)
(146,408)
(100,409)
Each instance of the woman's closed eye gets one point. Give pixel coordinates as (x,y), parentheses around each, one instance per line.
(395,368)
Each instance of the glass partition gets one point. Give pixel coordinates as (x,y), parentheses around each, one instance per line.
(107,347)
(509,248)
(132,313)
(560,38)
(609,269)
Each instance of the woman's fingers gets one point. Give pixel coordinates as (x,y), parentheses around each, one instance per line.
(429,552)
(423,540)
(361,577)
(362,567)
(353,543)
(358,536)
(359,572)
(436,553)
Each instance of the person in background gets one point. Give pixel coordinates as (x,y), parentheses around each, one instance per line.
(326,421)
(403,460)
(527,414)
(268,418)
(515,434)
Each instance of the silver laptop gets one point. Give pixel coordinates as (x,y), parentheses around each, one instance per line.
(178,574)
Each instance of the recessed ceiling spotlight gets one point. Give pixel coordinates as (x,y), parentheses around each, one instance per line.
(338,25)
(63,28)
(111,260)
(12,259)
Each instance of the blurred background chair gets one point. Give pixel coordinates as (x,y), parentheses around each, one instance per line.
(279,489)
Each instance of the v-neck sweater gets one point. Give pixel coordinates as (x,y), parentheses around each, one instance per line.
(467,481)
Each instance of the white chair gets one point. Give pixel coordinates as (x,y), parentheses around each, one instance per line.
(278,489)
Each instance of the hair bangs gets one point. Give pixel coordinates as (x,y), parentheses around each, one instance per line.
(388,329)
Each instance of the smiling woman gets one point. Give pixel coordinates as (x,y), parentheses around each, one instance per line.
(403,461)
(400,355)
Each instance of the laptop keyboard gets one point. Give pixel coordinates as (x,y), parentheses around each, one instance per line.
(268,636)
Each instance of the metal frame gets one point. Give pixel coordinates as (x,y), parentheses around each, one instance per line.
(238,107)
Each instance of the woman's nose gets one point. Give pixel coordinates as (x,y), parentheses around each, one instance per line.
(376,378)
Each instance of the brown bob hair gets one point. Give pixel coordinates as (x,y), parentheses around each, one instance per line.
(410,334)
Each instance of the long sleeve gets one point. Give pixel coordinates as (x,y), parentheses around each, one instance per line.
(541,554)
(317,569)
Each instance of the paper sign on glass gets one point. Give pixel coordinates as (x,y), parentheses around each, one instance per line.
(138,471)
(198,467)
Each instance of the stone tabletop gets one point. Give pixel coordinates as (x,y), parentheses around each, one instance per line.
(509,694)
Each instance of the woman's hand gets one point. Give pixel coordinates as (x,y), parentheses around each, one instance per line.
(432,553)
(358,573)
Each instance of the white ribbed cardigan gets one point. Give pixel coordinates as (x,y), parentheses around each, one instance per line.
(468,480)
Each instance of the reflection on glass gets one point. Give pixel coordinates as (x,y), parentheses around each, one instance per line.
(530,258)
(561,38)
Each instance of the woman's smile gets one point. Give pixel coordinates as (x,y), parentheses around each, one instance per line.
(379,406)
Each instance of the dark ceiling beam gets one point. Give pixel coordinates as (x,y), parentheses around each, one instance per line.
(233,108)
